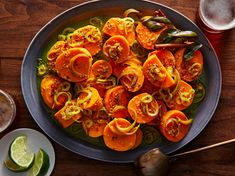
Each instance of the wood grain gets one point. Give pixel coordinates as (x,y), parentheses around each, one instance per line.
(20,20)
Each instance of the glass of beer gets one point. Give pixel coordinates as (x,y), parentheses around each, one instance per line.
(217,15)
(214,17)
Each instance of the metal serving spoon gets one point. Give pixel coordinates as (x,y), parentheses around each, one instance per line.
(155,163)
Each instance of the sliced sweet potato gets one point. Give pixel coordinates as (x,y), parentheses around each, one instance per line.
(65,121)
(132,78)
(189,70)
(162,110)
(183,98)
(139,138)
(147,87)
(92,127)
(55,51)
(74,64)
(175,125)
(120,26)
(143,108)
(120,112)
(118,142)
(156,73)
(88,37)
(101,69)
(90,99)
(49,88)
(102,85)
(147,38)
(116,48)
(131,61)
(116,96)
(165,56)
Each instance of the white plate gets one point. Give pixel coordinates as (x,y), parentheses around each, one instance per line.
(35,141)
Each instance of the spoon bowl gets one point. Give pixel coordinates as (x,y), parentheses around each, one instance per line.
(156,163)
(153,163)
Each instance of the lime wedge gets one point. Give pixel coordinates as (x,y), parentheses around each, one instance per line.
(41,164)
(19,154)
(14,167)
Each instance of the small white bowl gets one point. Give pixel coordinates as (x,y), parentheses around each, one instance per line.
(7,110)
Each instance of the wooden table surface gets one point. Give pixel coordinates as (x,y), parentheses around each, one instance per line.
(20,20)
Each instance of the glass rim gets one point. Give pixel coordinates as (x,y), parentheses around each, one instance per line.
(221,28)
(12,104)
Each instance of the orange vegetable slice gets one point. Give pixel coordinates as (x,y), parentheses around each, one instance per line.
(165,56)
(116,48)
(116,96)
(162,110)
(118,142)
(147,38)
(120,26)
(74,64)
(90,99)
(131,61)
(142,111)
(174,125)
(183,98)
(49,88)
(132,78)
(101,69)
(120,111)
(65,121)
(88,37)
(55,51)
(139,138)
(102,85)
(93,128)
(189,70)
(156,73)
(147,87)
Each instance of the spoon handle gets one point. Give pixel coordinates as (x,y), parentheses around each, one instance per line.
(204,148)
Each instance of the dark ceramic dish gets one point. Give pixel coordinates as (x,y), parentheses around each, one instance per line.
(114,7)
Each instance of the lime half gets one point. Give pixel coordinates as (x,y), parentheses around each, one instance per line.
(19,154)
(14,167)
(41,164)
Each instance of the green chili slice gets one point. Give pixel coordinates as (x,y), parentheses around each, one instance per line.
(88,96)
(150,135)
(200,92)
(130,11)
(184,34)
(68,30)
(153,25)
(61,37)
(154,111)
(190,49)
(42,70)
(97,22)
(165,36)
(71,109)
(146,99)
(57,95)
(161,19)
(65,86)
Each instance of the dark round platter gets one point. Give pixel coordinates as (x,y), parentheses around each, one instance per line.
(113,7)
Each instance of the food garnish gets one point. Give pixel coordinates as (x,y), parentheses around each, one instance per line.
(125,80)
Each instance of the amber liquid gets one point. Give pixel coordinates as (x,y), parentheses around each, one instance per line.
(214,36)
(214,17)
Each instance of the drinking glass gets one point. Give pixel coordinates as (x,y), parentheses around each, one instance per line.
(214,18)
(217,15)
